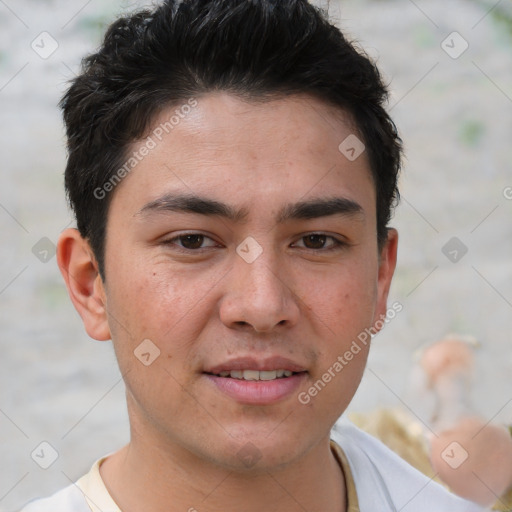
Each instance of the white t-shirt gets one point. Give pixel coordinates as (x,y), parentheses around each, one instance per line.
(383,482)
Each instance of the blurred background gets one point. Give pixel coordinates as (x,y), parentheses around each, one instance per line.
(449,67)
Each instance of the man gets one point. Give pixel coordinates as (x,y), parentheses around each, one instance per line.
(232,171)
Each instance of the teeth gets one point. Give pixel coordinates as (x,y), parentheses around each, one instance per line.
(251,375)
(256,375)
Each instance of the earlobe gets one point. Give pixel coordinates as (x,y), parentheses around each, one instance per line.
(83,281)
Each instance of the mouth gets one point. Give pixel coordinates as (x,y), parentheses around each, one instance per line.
(254,375)
(257,382)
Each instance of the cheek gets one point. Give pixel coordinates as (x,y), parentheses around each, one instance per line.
(343,309)
(151,298)
(344,301)
(161,304)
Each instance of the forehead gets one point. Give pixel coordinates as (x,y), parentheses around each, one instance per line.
(279,124)
(250,152)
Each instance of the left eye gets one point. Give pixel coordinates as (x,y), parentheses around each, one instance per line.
(192,241)
(320,241)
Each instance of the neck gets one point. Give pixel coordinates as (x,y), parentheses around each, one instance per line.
(146,475)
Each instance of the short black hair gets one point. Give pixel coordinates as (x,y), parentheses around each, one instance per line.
(254,49)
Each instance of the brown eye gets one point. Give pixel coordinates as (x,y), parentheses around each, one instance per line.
(191,241)
(315,241)
(320,242)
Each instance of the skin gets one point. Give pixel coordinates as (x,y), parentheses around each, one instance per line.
(297,300)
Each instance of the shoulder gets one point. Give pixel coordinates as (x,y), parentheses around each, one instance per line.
(381,477)
(69,499)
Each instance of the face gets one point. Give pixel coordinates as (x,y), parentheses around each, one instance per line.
(243,246)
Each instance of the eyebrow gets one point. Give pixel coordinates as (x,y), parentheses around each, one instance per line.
(303,210)
(193,204)
(315,208)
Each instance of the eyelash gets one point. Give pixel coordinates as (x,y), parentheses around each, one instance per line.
(172,241)
(336,243)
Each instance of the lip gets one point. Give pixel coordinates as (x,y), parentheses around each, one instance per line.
(258,392)
(262,392)
(260,364)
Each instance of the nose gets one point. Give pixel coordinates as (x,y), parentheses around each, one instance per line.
(258,296)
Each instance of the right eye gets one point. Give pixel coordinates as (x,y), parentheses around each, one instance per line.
(191,242)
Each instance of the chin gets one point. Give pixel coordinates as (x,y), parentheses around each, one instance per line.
(255,452)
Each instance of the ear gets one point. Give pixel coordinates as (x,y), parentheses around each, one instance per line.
(83,281)
(387,264)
